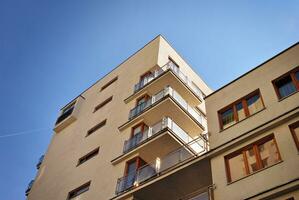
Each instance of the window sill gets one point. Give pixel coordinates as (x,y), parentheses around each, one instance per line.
(222,130)
(229,183)
(283,98)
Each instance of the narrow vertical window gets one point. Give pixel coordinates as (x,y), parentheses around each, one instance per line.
(228,118)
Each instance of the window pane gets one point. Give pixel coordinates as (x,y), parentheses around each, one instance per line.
(228,118)
(285,86)
(240,111)
(252,162)
(269,153)
(237,167)
(297,75)
(254,104)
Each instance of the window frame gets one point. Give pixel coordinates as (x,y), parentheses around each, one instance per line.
(72,196)
(243,150)
(292,127)
(96,127)
(102,104)
(108,83)
(233,106)
(138,163)
(88,156)
(290,73)
(142,124)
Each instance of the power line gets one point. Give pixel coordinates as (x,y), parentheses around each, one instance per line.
(24,132)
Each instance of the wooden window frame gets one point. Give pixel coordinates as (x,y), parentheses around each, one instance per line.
(146,96)
(88,156)
(138,161)
(290,73)
(296,139)
(109,83)
(71,195)
(96,127)
(242,100)
(142,124)
(243,150)
(144,75)
(99,106)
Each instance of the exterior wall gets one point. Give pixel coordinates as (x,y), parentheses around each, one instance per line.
(58,174)
(275,118)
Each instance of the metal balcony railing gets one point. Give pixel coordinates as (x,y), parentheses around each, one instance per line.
(157,97)
(40,160)
(29,187)
(65,114)
(175,69)
(166,122)
(161,165)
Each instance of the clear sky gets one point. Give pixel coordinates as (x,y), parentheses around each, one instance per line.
(50,51)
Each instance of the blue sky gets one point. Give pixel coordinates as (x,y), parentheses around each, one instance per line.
(50,51)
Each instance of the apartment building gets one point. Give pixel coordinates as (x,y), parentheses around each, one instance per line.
(138,133)
(254,130)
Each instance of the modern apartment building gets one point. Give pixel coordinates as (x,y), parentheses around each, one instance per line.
(134,134)
(254,130)
(151,129)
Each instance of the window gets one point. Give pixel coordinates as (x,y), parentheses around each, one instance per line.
(240,109)
(254,157)
(103,104)
(67,111)
(88,156)
(131,168)
(78,191)
(109,83)
(96,127)
(295,132)
(287,84)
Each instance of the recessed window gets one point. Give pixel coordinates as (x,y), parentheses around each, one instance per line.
(295,132)
(103,104)
(67,111)
(78,191)
(88,156)
(96,127)
(240,109)
(287,84)
(254,157)
(108,84)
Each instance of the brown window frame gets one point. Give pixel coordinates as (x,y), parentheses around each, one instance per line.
(99,106)
(72,194)
(243,150)
(232,106)
(139,163)
(142,124)
(88,156)
(290,73)
(96,127)
(296,139)
(109,83)
(146,96)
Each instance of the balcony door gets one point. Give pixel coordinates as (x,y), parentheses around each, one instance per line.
(131,171)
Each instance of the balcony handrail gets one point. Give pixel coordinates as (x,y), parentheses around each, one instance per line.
(30,184)
(40,160)
(157,97)
(160,165)
(64,115)
(151,131)
(175,69)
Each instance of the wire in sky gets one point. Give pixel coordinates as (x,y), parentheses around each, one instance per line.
(24,132)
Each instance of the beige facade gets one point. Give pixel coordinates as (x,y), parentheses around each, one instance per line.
(277,179)
(146,131)
(172,111)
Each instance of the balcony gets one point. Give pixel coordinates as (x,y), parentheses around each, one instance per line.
(68,114)
(161,165)
(165,124)
(171,75)
(29,187)
(167,102)
(40,160)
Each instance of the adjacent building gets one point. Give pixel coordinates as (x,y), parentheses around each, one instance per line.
(152,129)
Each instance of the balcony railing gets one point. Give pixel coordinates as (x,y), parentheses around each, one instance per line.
(40,160)
(29,187)
(160,165)
(65,114)
(166,122)
(157,97)
(175,69)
